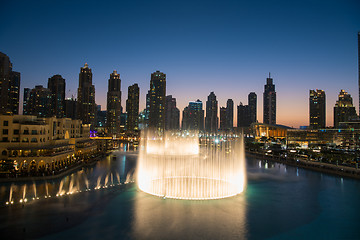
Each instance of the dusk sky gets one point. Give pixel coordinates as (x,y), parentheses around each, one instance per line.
(228,47)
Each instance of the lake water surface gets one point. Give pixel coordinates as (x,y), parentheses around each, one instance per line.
(280,202)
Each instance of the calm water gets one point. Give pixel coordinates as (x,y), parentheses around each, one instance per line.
(280,202)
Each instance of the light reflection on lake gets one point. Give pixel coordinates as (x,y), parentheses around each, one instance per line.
(280,202)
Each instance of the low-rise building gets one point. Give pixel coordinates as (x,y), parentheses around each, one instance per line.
(29,143)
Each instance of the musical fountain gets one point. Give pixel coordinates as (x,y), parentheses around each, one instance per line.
(180,166)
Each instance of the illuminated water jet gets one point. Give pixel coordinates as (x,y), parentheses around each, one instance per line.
(10,195)
(24,191)
(118,178)
(179,166)
(34,187)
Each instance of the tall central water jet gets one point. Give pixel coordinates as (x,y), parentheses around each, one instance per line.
(182,167)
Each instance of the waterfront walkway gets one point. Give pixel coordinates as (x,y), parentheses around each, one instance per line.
(343,171)
(56,174)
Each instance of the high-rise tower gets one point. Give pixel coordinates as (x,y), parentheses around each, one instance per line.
(132,108)
(229,115)
(252,102)
(157,101)
(25,100)
(344,109)
(359,66)
(223,119)
(172,114)
(39,102)
(56,84)
(193,116)
(211,119)
(86,97)
(317,109)
(9,86)
(113,104)
(243,115)
(269,102)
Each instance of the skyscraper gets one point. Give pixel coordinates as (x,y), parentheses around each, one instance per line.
(71,108)
(157,101)
(252,102)
(86,97)
(243,115)
(211,119)
(14,93)
(344,109)
(113,104)
(229,115)
(172,114)
(317,109)
(359,66)
(100,123)
(132,108)
(56,84)
(25,100)
(269,102)
(39,102)
(223,119)
(147,110)
(9,86)
(193,116)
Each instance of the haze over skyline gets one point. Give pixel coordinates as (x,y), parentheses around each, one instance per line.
(226,47)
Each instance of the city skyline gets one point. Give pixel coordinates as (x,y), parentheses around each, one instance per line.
(230,53)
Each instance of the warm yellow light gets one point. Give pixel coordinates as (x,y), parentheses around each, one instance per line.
(176,167)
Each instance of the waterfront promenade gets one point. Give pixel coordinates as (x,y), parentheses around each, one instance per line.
(339,170)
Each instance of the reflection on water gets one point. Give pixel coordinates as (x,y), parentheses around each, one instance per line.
(281,202)
(155,218)
(100,175)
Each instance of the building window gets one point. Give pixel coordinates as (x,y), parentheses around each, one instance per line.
(5,131)
(16,131)
(26,132)
(33,140)
(5,139)
(6,123)
(34,132)
(25,140)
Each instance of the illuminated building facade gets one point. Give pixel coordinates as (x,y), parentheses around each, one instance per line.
(113,104)
(172,114)
(243,115)
(193,116)
(132,108)
(211,119)
(252,102)
(9,87)
(229,115)
(25,100)
(39,102)
(344,109)
(70,108)
(317,109)
(157,101)
(56,84)
(223,119)
(43,144)
(359,66)
(269,102)
(86,107)
(261,130)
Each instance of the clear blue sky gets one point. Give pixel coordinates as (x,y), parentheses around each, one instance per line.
(223,46)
